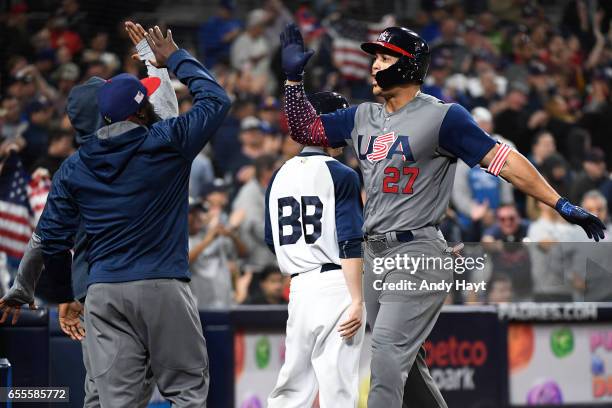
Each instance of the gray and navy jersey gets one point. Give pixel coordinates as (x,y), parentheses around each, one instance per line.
(313,212)
(407,157)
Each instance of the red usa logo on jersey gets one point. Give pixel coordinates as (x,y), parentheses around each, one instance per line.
(384,147)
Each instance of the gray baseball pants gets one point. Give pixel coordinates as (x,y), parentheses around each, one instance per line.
(133,325)
(402,319)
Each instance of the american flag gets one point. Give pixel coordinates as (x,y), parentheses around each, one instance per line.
(347,36)
(17,219)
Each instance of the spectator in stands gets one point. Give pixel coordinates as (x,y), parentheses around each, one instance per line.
(98,51)
(504,242)
(40,112)
(251,147)
(226,144)
(475,187)
(499,289)
(211,246)
(544,234)
(252,52)
(61,145)
(594,176)
(542,148)
(216,35)
(12,126)
(512,121)
(249,208)
(201,176)
(270,288)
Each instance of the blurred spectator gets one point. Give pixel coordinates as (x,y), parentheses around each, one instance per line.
(39,112)
(249,208)
(97,51)
(65,76)
(499,289)
(508,255)
(251,147)
(544,234)
(594,176)
(226,141)
(512,121)
(474,187)
(556,171)
(270,288)
(542,148)
(216,35)
(451,40)
(211,246)
(252,52)
(201,176)
(61,145)
(589,281)
(73,18)
(12,126)
(278,17)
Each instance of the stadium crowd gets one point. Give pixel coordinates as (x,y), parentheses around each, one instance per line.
(538,80)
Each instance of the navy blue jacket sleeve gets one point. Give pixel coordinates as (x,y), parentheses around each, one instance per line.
(56,228)
(349,210)
(189,132)
(268,225)
(338,125)
(462,137)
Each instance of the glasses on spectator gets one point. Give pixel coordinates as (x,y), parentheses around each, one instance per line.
(510,218)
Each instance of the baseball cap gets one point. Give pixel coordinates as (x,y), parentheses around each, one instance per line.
(481,114)
(122,95)
(196,204)
(68,72)
(37,105)
(269,103)
(250,123)
(595,155)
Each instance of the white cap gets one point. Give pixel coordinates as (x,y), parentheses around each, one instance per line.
(250,122)
(256,17)
(481,114)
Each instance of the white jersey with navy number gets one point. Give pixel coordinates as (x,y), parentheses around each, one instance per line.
(313,205)
(408,157)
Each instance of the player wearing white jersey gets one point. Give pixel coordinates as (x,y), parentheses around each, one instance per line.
(313,224)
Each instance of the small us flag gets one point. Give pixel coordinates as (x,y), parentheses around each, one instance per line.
(16,216)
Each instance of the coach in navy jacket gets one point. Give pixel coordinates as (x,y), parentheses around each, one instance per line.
(131,185)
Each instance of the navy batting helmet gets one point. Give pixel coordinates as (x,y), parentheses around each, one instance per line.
(327,102)
(413,54)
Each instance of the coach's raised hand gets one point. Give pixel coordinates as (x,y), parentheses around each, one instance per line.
(162,47)
(294,55)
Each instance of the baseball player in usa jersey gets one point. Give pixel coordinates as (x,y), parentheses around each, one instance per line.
(313,223)
(408,149)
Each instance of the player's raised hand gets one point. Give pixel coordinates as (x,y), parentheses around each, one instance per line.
(592,225)
(161,46)
(70,319)
(349,327)
(294,55)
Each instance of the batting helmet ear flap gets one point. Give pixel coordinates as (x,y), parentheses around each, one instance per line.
(405,70)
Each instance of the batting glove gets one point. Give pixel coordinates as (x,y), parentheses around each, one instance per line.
(294,55)
(592,225)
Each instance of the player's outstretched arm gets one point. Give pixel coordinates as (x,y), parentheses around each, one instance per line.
(521,173)
(306,127)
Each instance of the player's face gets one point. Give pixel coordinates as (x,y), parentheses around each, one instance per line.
(382,61)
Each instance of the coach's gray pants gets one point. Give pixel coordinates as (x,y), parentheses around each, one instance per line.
(401,320)
(133,325)
(92,398)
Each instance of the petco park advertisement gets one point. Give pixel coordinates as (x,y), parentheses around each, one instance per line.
(554,364)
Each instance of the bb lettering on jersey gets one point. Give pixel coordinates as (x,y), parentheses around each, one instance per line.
(385,147)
